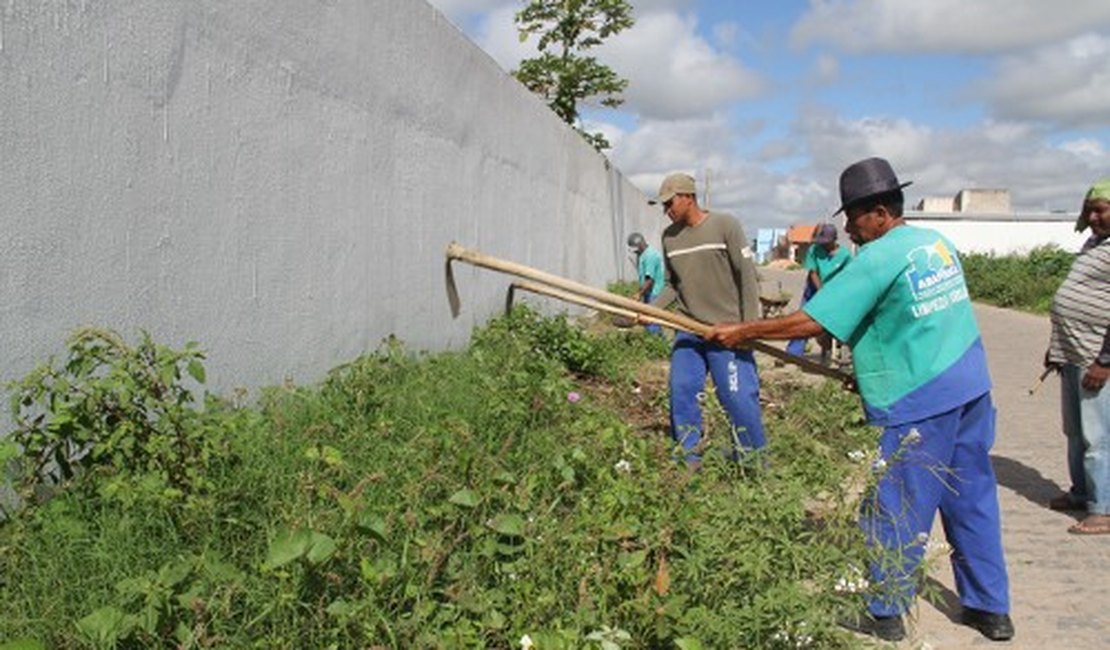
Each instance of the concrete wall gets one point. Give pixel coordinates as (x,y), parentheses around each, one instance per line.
(1003,236)
(277,179)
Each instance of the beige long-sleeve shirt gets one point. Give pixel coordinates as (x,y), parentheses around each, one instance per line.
(710,271)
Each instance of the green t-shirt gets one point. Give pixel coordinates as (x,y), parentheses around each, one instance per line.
(651,266)
(826,264)
(902,305)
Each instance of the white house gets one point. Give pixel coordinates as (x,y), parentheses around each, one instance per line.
(981,221)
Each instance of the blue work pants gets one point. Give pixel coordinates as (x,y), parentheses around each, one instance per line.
(941,462)
(737,384)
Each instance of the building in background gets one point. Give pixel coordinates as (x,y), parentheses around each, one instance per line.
(767,241)
(983,221)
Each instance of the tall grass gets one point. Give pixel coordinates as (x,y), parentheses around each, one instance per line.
(460,500)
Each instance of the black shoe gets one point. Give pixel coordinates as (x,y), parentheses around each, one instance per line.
(887,628)
(996,627)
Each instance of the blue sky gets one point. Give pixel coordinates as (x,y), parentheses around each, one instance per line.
(771,100)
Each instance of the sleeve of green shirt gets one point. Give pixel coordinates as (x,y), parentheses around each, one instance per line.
(843,304)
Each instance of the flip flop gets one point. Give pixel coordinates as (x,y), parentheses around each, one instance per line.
(1091,525)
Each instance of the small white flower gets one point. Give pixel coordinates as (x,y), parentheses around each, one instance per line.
(922,538)
(623,466)
(857,455)
(879,465)
(913,437)
(526,643)
(636,390)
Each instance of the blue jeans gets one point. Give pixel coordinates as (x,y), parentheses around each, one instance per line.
(1086,420)
(941,462)
(737,383)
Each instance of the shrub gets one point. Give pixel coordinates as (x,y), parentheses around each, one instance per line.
(1021,281)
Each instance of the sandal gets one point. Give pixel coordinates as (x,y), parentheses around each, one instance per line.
(1091,525)
(1065,503)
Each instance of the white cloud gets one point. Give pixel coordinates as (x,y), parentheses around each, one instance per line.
(948,26)
(941,162)
(826,70)
(674,72)
(1068,83)
(658,147)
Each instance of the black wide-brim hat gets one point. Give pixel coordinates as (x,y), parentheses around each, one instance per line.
(865,179)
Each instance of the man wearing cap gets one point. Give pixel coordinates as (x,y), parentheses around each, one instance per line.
(824,259)
(903,307)
(649,268)
(1080,347)
(710,273)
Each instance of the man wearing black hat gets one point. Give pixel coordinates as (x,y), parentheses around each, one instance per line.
(903,307)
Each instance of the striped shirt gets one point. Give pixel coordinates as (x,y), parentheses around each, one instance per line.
(1081,308)
(709,271)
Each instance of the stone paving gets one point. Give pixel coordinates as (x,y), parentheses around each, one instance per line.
(1059,583)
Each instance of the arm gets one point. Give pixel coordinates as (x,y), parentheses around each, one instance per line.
(743,268)
(645,288)
(1098,372)
(815,280)
(796,325)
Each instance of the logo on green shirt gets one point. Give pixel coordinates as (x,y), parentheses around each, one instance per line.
(935,278)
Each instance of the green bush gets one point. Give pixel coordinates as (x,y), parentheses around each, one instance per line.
(1020,281)
(122,414)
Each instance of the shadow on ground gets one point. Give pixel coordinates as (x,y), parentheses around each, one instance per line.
(1024,480)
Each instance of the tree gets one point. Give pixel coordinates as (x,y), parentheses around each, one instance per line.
(562,75)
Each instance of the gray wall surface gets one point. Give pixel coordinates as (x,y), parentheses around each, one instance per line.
(278,180)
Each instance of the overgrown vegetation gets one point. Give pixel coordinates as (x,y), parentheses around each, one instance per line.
(516,492)
(1025,282)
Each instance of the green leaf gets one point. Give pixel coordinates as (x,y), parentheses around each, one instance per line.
(339,609)
(466,498)
(105,626)
(196,371)
(23,644)
(321,548)
(8,451)
(688,643)
(508,524)
(174,572)
(632,560)
(373,524)
(287,547)
(332,456)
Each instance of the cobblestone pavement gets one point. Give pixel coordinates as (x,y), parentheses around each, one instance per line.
(1059,583)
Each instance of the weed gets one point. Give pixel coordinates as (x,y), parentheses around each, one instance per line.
(456,500)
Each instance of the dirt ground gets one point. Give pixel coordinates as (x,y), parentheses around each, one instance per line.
(1059,583)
